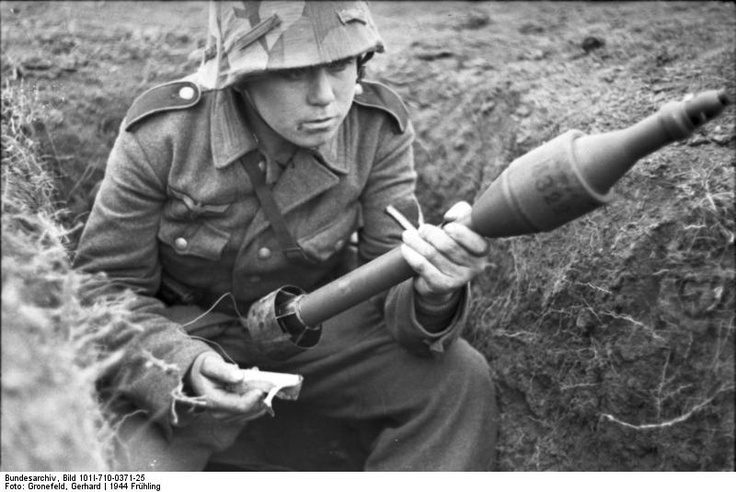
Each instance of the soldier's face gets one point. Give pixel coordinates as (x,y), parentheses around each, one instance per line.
(306,106)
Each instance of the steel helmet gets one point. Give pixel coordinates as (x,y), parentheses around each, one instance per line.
(254,37)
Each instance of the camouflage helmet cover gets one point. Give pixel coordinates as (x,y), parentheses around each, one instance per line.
(253,37)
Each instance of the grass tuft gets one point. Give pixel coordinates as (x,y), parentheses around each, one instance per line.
(53,344)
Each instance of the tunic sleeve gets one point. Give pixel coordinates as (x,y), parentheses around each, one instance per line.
(120,243)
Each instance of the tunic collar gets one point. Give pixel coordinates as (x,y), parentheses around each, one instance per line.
(235,133)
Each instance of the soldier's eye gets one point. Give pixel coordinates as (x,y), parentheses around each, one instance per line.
(294,73)
(340,65)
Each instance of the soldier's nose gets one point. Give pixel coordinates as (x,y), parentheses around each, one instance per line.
(321,92)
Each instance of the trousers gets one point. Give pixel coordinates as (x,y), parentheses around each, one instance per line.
(400,411)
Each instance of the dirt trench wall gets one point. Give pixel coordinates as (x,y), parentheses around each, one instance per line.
(611,338)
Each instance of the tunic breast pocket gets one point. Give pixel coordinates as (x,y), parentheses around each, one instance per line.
(331,239)
(194,228)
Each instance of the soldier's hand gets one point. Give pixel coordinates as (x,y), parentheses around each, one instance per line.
(446,258)
(213,380)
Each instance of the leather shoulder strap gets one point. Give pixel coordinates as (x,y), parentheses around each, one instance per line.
(170,96)
(289,246)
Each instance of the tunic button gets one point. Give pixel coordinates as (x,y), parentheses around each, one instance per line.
(262,166)
(181,243)
(264,253)
(186,93)
(339,245)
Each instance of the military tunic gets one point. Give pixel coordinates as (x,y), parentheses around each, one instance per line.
(176,221)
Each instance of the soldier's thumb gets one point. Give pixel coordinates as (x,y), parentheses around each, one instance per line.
(457,211)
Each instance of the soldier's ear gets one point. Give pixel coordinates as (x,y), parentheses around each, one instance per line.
(362,60)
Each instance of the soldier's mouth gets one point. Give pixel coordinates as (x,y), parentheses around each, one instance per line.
(317,125)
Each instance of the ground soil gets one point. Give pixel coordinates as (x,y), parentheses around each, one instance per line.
(611,339)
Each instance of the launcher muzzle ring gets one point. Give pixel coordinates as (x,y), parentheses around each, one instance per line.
(275,327)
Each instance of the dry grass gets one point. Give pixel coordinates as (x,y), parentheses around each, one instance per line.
(52,344)
(27,185)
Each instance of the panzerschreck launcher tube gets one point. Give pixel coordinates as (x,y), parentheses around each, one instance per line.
(549,186)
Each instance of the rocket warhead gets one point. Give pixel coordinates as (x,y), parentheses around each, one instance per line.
(603,159)
(705,106)
(572,175)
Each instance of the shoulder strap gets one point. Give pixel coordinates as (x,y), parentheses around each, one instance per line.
(377,95)
(170,96)
(289,246)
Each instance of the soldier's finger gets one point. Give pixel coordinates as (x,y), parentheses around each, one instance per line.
(232,403)
(417,261)
(457,211)
(451,250)
(416,240)
(431,280)
(473,242)
(216,368)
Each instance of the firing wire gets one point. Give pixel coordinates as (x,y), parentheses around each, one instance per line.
(208,311)
(211,308)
